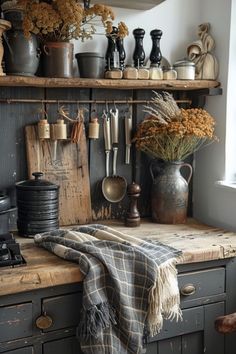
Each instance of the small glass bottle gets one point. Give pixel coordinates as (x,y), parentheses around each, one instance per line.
(169,73)
(155,72)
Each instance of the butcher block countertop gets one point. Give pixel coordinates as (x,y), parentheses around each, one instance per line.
(198,242)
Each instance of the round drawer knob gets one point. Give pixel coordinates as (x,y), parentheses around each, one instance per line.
(44,322)
(188,289)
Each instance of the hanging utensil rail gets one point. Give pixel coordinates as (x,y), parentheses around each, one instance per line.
(48,101)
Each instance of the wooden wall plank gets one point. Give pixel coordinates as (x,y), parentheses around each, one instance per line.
(13,118)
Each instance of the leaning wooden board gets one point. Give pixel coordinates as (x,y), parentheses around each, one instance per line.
(67,166)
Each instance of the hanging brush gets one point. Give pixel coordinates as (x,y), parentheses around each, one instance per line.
(78,123)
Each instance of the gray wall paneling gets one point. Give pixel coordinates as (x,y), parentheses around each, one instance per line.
(13,118)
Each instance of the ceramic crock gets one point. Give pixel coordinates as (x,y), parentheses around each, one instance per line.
(58,59)
(38,205)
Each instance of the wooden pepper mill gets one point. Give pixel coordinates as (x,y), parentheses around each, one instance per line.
(133,216)
(139,54)
(155,55)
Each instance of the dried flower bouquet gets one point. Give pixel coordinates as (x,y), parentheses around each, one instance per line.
(63,20)
(170,133)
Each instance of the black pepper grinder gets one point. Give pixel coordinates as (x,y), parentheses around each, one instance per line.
(132,216)
(121,50)
(111,60)
(139,54)
(155,55)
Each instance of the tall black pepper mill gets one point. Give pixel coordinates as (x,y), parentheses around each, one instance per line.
(121,50)
(155,55)
(132,216)
(86,4)
(139,54)
(112,54)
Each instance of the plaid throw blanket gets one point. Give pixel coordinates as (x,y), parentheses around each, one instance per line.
(130,285)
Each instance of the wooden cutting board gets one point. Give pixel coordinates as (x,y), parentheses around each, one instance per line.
(66,165)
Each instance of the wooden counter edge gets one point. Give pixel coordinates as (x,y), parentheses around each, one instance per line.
(43,270)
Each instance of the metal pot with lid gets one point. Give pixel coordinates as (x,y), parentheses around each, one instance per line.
(38,205)
(5,210)
(4,201)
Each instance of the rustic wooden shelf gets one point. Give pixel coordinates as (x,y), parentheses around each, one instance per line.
(173,85)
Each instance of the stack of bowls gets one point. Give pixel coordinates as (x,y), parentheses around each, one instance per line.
(38,205)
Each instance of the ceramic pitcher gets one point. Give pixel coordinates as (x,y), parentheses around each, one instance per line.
(169,196)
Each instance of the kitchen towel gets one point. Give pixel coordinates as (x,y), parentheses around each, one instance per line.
(129,286)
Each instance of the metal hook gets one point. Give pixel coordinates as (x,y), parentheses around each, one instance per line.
(95,106)
(94,113)
(106,105)
(105,114)
(43,111)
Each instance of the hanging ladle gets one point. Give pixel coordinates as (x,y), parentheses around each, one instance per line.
(113,187)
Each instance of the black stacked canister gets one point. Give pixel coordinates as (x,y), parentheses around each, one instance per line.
(38,205)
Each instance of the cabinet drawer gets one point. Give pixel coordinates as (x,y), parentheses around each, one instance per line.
(193,321)
(62,346)
(15,321)
(28,350)
(201,284)
(64,310)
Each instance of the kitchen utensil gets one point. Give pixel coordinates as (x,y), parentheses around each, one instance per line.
(114,187)
(69,171)
(107,141)
(128,128)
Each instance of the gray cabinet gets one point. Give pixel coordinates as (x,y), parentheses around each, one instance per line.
(195,334)
(62,346)
(207,290)
(41,322)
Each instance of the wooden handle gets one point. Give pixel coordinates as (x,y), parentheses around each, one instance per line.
(44,322)
(226,324)
(187,290)
(190,171)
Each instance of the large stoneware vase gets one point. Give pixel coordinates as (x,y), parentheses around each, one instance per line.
(169,197)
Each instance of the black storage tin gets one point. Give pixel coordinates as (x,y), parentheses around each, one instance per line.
(38,205)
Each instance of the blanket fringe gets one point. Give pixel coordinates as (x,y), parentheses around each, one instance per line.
(95,319)
(164,298)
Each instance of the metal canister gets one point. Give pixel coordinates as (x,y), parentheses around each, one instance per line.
(38,205)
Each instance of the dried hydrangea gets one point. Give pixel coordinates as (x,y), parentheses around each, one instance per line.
(171,133)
